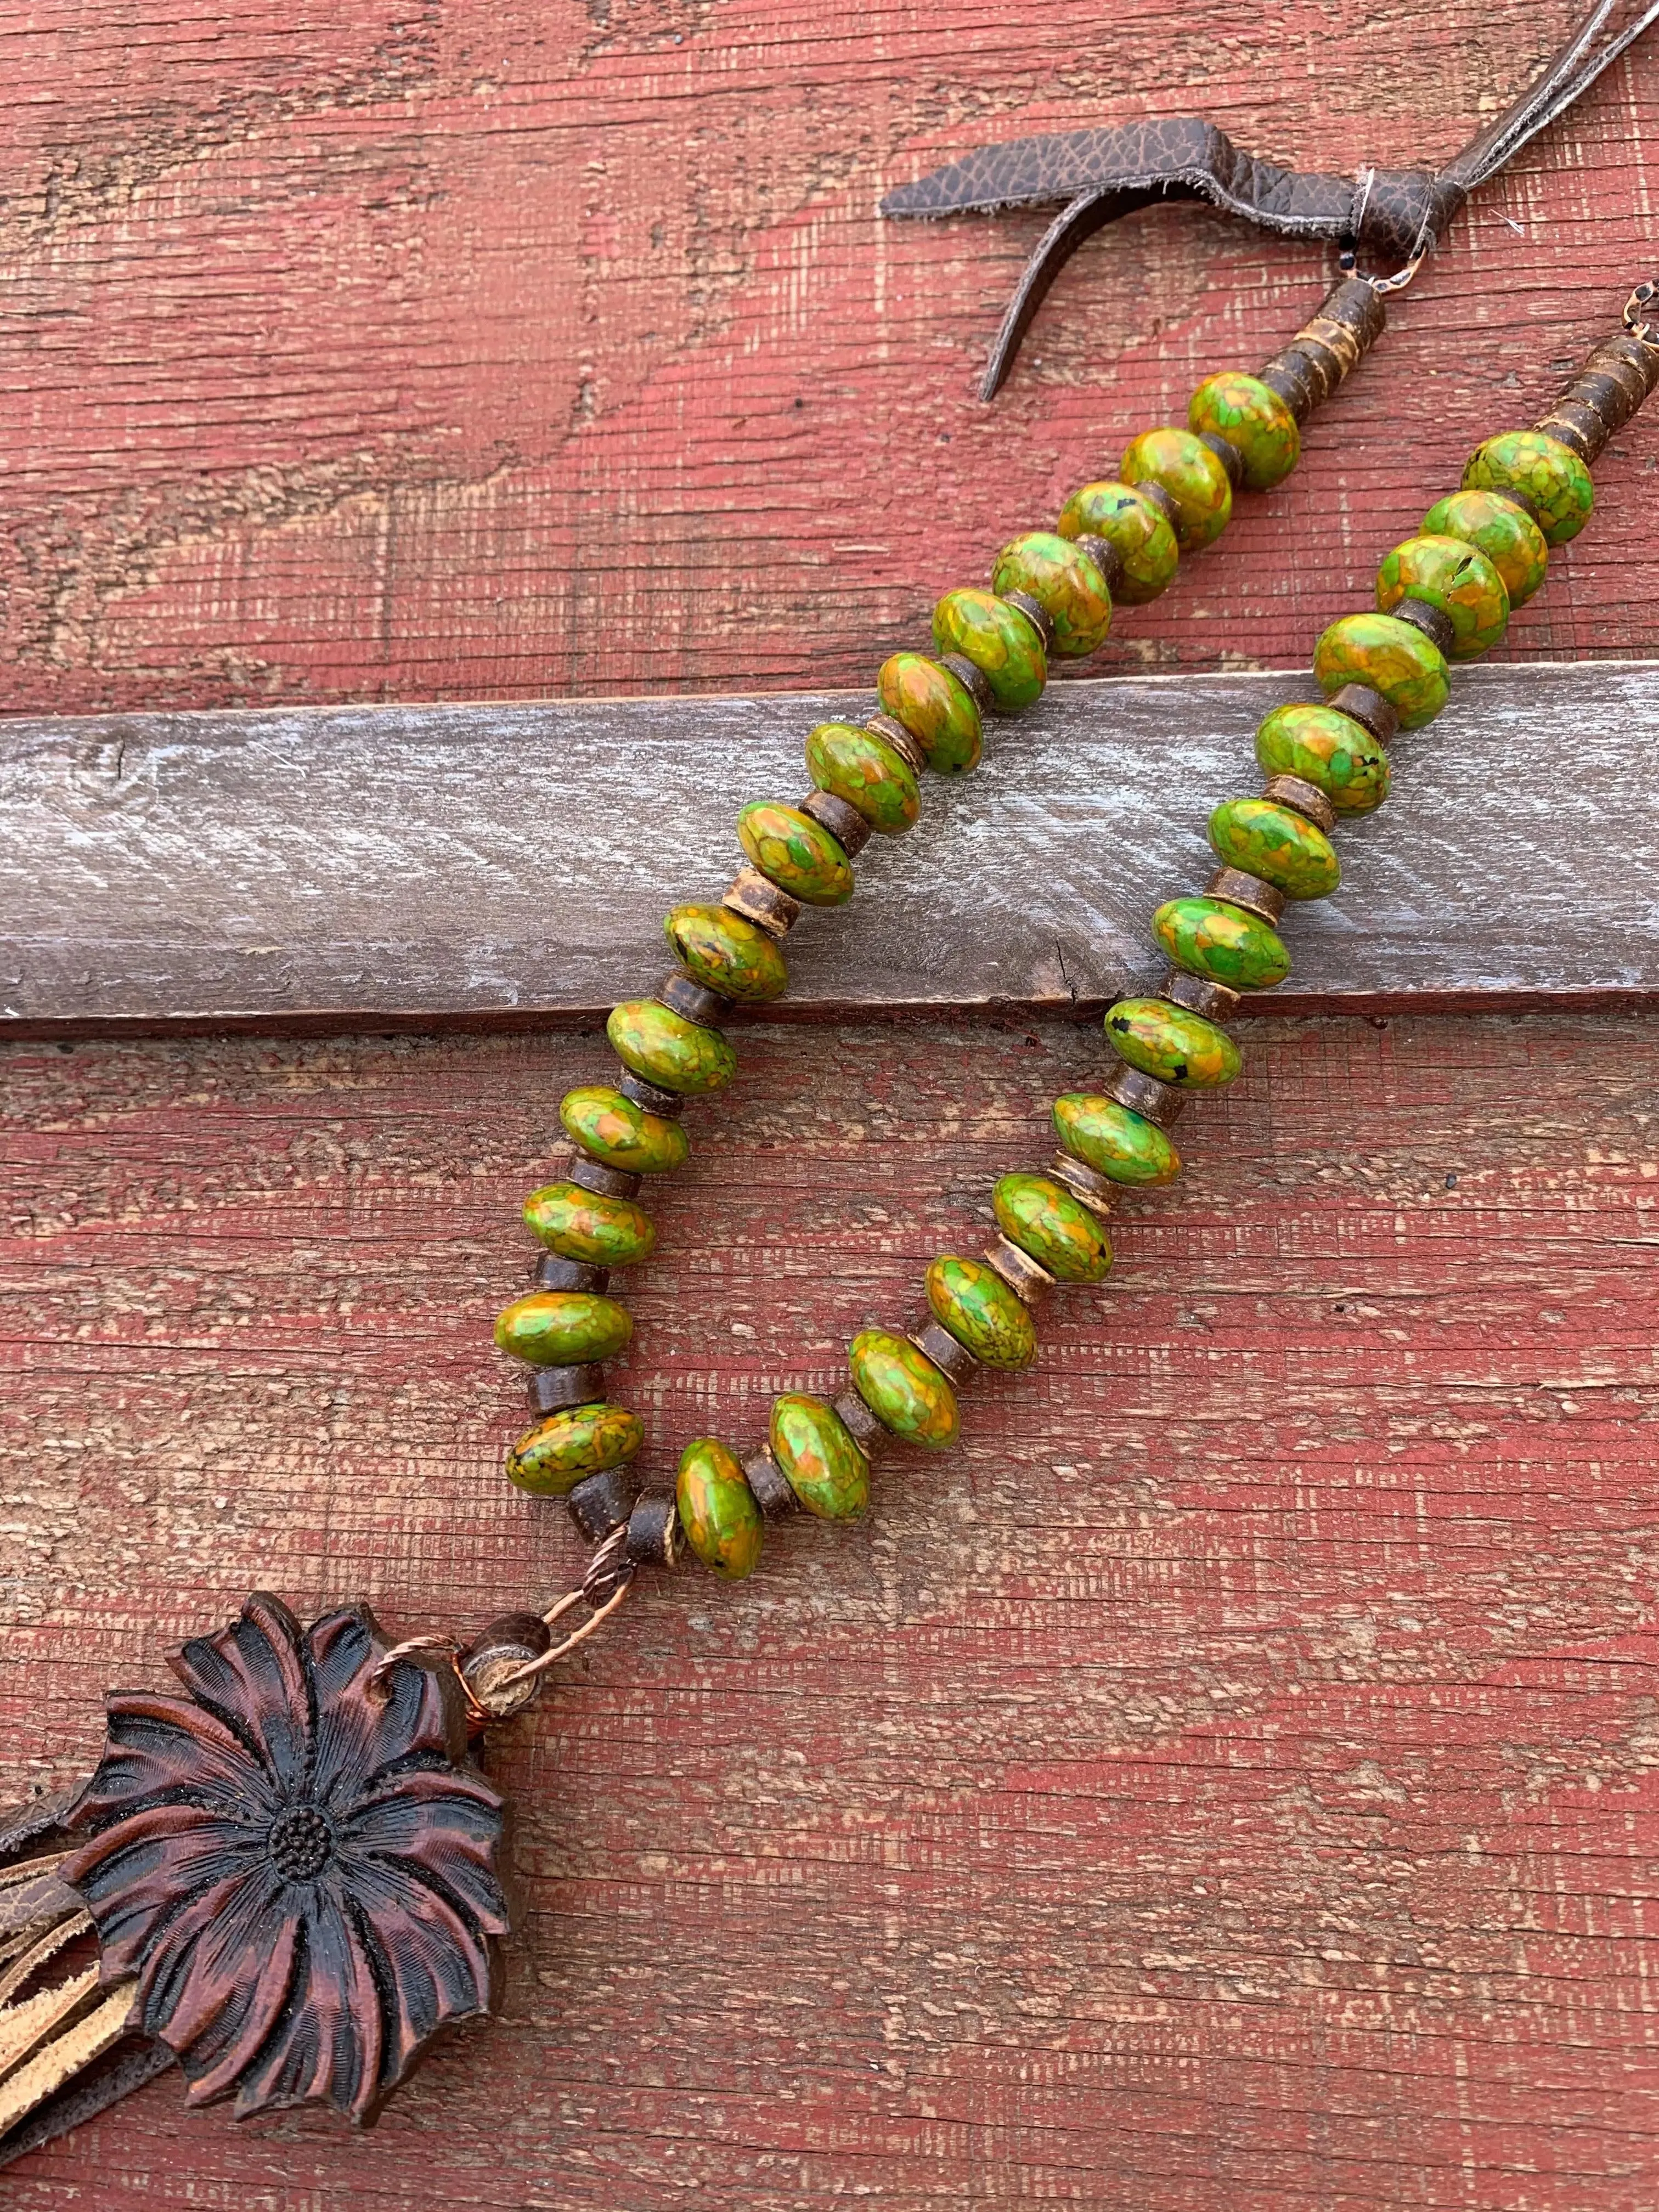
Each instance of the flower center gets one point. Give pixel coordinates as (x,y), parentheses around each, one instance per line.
(300,1844)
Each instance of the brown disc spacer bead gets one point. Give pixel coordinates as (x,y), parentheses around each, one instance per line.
(1025,1277)
(600,1503)
(1369,709)
(1149,488)
(895,734)
(593,1175)
(1435,624)
(684,994)
(972,679)
(1105,556)
(654,1535)
(770,1484)
(952,1359)
(843,821)
(549,1272)
(1237,887)
(1156,1102)
(1035,613)
(758,899)
(551,1389)
(667,1104)
(1303,799)
(1084,1183)
(1199,994)
(1327,348)
(859,1423)
(1227,454)
(1607,391)
(499,1650)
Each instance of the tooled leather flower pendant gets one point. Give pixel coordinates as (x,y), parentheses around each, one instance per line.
(295,1861)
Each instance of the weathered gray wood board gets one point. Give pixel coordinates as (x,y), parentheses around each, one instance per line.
(495,863)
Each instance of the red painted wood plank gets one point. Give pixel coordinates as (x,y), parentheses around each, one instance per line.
(1229,1779)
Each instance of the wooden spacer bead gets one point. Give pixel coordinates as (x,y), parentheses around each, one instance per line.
(1573,423)
(859,1423)
(1435,624)
(600,1503)
(1227,454)
(1158,1102)
(667,1104)
(1084,1183)
(1035,613)
(551,1389)
(844,822)
(952,1359)
(1369,709)
(654,1535)
(770,1484)
(1286,375)
(593,1175)
(1149,488)
(499,1650)
(547,1272)
(907,747)
(971,677)
(758,899)
(1105,556)
(1303,799)
(1025,1277)
(684,994)
(1199,994)
(1327,348)
(1238,888)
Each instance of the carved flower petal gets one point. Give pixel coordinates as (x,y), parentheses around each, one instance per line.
(206,1952)
(438,1952)
(254,1982)
(362,1729)
(329,2040)
(448,1826)
(163,1749)
(133,1875)
(254,1676)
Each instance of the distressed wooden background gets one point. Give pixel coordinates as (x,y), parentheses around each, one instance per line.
(1229,1782)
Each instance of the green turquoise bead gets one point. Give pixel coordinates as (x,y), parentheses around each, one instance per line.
(999,641)
(726,953)
(904,1390)
(1193,476)
(552,1458)
(1459,580)
(863,769)
(795,852)
(562,1329)
(1206,937)
(1328,749)
(621,1135)
(586,1225)
(1113,1141)
(1253,419)
(1543,471)
(1391,656)
(1135,527)
(1173,1043)
(937,707)
(668,1050)
(1506,533)
(1277,844)
(1056,1229)
(1064,583)
(820,1457)
(717,1509)
(973,1302)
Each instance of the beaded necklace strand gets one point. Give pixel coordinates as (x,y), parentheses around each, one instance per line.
(1445,595)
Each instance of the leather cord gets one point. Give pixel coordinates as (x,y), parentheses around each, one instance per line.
(1387,217)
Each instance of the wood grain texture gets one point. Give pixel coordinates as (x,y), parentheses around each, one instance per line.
(1231,1780)
(389,348)
(510,864)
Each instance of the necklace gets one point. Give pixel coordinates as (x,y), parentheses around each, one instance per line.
(240,1838)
